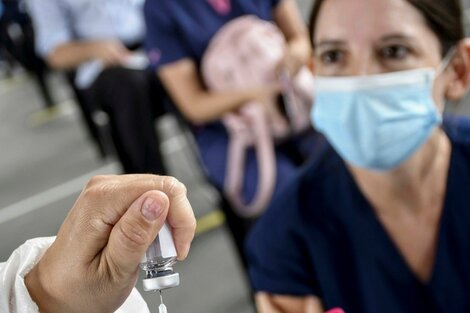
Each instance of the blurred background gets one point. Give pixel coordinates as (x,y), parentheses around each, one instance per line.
(46,157)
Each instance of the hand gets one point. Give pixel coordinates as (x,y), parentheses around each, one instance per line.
(111,52)
(291,63)
(295,57)
(93,264)
(267,94)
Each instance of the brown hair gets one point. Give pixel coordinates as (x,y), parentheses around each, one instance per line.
(444,17)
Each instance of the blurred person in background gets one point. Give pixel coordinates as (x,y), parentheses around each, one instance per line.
(93,263)
(96,39)
(17,38)
(178,36)
(380,221)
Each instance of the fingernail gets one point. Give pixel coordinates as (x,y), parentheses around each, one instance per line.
(151,209)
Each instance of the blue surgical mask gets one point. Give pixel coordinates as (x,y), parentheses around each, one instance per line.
(378,121)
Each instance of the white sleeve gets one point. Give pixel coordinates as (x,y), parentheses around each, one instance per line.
(14,296)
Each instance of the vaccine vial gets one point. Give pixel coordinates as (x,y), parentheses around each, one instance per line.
(158,263)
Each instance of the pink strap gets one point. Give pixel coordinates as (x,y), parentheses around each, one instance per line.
(249,128)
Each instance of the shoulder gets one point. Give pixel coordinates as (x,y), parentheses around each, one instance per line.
(457,129)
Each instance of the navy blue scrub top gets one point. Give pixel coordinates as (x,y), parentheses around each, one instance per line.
(178,29)
(322,238)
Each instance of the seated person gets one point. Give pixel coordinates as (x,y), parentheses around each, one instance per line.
(20,44)
(178,35)
(92,264)
(379,222)
(95,38)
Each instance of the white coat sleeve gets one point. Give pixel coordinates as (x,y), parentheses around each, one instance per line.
(14,296)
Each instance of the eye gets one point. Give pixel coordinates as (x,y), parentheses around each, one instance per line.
(394,52)
(332,57)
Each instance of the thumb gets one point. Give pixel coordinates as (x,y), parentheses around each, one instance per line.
(135,231)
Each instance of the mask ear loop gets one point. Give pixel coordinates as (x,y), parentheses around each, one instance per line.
(442,67)
(446,61)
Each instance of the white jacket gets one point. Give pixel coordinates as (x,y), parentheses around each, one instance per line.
(14,296)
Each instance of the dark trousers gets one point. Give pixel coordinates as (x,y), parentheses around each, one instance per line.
(21,46)
(132,99)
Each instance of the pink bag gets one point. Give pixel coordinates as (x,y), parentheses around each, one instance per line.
(244,54)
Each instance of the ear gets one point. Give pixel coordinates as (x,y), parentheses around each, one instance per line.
(458,85)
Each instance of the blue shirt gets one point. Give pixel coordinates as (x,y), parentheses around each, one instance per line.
(60,21)
(178,29)
(322,238)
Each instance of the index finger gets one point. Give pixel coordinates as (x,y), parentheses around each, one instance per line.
(180,215)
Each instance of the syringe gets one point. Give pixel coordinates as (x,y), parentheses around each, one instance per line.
(158,265)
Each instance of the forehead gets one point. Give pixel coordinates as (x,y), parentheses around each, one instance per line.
(367,20)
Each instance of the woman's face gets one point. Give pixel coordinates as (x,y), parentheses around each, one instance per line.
(365,37)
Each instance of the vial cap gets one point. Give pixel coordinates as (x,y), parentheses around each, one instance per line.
(161,282)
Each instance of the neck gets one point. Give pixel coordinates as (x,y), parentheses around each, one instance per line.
(416,183)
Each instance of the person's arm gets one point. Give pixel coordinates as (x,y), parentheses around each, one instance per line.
(199,105)
(93,264)
(170,56)
(71,54)
(56,44)
(266,303)
(287,17)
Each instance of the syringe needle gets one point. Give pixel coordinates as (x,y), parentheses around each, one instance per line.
(161,307)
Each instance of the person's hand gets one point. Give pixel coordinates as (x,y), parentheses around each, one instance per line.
(94,262)
(267,94)
(111,52)
(296,56)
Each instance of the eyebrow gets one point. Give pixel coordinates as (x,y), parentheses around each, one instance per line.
(339,42)
(395,37)
(329,43)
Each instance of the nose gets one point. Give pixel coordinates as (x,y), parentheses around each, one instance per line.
(364,63)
